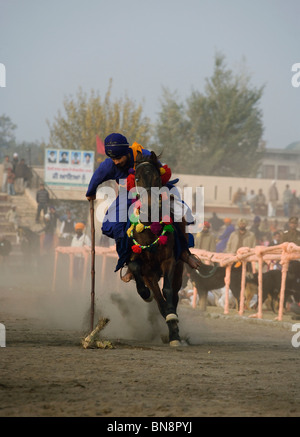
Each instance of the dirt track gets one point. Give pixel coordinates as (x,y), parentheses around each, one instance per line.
(233,366)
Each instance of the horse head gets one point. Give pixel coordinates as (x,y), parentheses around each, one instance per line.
(147,171)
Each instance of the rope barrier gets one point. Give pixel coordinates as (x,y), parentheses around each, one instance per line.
(282,253)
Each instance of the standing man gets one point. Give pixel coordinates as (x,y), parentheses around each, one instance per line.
(286,200)
(42,198)
(205,240)
(240,238)
(273,199)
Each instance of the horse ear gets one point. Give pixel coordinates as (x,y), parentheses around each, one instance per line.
(153,157)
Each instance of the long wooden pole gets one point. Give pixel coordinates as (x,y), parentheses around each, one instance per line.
(92,263)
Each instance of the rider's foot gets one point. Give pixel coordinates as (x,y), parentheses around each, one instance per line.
(127,277)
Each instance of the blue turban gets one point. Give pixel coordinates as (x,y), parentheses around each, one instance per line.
(116,145)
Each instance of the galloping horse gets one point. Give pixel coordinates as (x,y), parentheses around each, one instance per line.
(153,247)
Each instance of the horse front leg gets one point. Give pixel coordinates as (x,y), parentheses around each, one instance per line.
(171,300)
(142,289)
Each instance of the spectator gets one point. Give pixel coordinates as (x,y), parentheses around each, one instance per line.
(215,222)
(239,199)
(229,228)
(12,217)
(276,238)
(67,228)
(273,199)
(6,165)
(205,240)
(49,233)
(15,161)
(286,200)
(294,204)
(255,228)
(251,200)
(80,239)
(260,203)
(241,237)
(292,235)
(10,182)
(20,172)
(42,198)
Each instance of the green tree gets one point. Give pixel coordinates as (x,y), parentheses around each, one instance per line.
(88,115)
(172,130)
(222,127)
(7,134)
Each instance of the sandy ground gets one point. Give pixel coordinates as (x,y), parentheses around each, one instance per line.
(233,366)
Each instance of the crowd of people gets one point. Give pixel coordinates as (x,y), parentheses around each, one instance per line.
(268,204)
(223,235)
(16,175)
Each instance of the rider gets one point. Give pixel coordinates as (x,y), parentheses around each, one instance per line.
(118,165)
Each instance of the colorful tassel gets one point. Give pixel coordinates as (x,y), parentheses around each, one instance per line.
(162,239)
(139,227)
(168,228)
(136,248)
(155,228)
(129,230)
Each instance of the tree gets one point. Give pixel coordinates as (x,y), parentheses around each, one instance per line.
(171,132)
(89,116)
(7,136)
(223,131)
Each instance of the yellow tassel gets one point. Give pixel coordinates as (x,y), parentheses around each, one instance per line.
(139,227)
(237,264)
(162,170)
(129,230)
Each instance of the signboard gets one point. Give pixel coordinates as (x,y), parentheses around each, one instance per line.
(68,168)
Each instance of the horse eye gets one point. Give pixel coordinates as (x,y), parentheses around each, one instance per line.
(137,179)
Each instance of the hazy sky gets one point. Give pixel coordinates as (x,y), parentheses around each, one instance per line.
(52,47)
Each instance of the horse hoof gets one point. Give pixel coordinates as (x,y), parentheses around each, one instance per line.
(172,316)
(175,343)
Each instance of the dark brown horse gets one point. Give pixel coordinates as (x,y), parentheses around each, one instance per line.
(153,246)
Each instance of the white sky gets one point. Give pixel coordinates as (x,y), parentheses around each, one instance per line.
(52,47)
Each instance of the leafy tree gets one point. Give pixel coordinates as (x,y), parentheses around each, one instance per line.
(88,116)
(171,132)
(7,136)
(222,126)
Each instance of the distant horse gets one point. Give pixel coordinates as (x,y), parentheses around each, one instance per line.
(153,247)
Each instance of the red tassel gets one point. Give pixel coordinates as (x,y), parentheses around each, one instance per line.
(166,176)
(163,239)
(130,182)
(136,248)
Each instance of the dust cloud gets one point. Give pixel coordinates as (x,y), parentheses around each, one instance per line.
(29,291)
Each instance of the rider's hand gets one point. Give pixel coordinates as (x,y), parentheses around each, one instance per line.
(91,197)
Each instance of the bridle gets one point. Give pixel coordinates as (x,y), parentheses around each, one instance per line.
(135,180)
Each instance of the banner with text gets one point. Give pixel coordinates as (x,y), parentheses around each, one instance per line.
(73,168)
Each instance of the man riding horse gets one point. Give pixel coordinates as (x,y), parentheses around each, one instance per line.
(118,166)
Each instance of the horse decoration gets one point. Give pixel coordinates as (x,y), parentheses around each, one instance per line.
(153,245)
